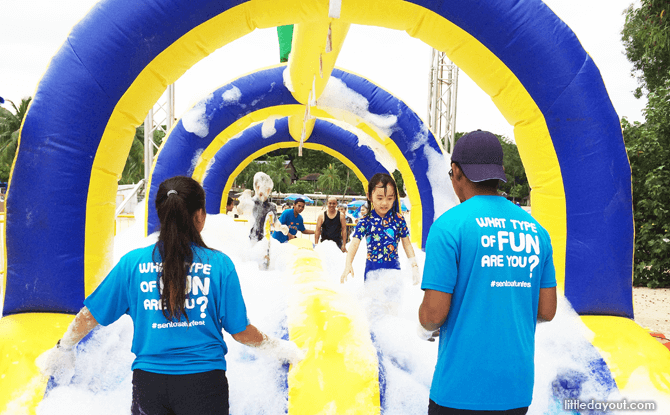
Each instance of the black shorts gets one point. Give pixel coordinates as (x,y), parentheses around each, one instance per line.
(203,393)
(435,409)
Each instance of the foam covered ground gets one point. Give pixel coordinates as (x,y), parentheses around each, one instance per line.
(565,359)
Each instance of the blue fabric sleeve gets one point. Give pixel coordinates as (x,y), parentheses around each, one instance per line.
(360,230)
(283,219)
(110,300)
(301,225)
(234,312)
(441,266)
(402,227)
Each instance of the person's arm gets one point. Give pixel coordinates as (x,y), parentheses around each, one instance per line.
(348,267)
(281,226)
(306,231)
(411,257)
(251,336)
(285,350)
(546,307)
(434,309)
(317,232)
(82,324)
(343,223)
(59,360)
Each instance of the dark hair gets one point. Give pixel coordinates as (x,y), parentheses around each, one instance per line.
(384,179)
(490,185)
(229,201)
(177,201)
(298,200)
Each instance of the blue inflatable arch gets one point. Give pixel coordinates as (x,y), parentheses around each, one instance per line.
(120,58)
(231,107)
(239,152)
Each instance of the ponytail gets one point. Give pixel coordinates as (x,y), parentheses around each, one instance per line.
(177,201)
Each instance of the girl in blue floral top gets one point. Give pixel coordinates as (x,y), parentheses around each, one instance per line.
(383,227)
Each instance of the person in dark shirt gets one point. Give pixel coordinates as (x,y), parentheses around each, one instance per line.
(332,226)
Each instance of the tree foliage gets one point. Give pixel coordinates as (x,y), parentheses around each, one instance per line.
(329,181)
(133,171)
(276,169)
(648,147)
(517,186)
(646,38)
(10,125)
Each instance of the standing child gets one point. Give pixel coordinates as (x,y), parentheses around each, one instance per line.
(383,227)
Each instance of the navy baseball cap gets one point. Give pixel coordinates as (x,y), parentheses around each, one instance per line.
(480,156)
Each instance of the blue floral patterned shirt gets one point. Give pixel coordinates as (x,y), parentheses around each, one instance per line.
(382,235)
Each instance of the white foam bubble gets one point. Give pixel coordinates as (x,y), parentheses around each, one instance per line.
(338,96)
(268,129)
(231,96)
(196,120)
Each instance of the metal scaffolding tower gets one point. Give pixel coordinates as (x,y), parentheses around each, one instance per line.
(442,99)
(160,117)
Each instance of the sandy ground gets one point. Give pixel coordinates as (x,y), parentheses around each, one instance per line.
(652,308)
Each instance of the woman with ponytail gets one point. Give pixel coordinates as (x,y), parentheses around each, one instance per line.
(180,295)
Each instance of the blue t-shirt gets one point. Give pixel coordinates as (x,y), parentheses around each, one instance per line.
(214,303)
(494,258)
(294,224)
(381,235)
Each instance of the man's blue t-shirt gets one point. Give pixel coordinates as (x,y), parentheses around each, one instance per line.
(294,224)
(494,258)
(214,303)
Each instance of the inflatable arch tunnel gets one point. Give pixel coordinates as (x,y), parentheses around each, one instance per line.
(119,59)
(377,120)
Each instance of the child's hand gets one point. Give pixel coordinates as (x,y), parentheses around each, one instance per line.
(416,274)
(348,269)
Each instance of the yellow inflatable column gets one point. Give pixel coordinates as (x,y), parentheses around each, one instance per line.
(339,374)
(638,362)
(23,337)
(313,56)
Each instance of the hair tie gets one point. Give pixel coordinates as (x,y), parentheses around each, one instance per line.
(172,192)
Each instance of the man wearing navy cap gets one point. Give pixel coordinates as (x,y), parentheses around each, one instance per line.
(489,268)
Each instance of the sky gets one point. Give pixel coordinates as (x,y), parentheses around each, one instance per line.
(34,30)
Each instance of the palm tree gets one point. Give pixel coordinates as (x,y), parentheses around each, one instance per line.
(246,176)
(133,171)
(277,171)
(10,124)
(329,181)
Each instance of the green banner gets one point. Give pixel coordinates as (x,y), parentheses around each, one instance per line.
(285,36)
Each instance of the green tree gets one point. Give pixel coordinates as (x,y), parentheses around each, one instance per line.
(400,183)
(276,169)
(301,187)
(646,38)
(133,171)
(10,124)
(246,177)
(330,181)
(517,185)
(648,147)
